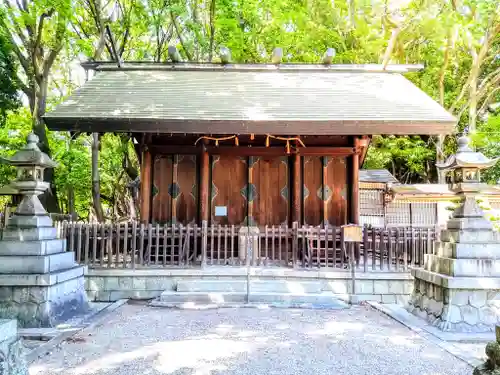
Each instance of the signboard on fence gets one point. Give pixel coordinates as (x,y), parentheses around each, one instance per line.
(352,233)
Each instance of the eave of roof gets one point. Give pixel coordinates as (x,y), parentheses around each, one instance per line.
(243,99)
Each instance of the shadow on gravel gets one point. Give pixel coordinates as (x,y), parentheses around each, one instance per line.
(142,340)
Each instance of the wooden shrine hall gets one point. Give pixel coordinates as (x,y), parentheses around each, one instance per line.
(250,144)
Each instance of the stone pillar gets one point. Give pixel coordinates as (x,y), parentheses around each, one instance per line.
(12,351)
(40,283)
(249,245)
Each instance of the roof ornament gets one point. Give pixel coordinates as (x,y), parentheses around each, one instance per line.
(277,55)
(328,56)
(465,167)
(173,54)
(225,55)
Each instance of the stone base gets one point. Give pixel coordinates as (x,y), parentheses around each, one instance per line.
(18,221)
(12,352)
(455,310)
(249,244)
(44,305)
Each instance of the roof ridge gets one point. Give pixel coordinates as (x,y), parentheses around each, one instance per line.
(245,67)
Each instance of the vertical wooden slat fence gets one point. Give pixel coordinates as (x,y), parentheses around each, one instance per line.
(132,245)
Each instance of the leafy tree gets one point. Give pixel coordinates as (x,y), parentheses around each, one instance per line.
(9,98)
(37,31)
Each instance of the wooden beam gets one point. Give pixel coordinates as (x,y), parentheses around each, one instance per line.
(364,151)
(250,151)
(146,166)
(296,189)
(204,186)
(354,216)
(327,151)
(175,150)
(279,151)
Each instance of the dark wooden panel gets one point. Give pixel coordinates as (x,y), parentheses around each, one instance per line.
(162,202)
(270,180)
(186,201)
(336,180)
(229,179)
(313,203)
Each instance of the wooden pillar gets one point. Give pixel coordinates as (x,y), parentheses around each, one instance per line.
(354,216)
(250,163)
(204,186)
(296,188)
(146,165)
(324,162)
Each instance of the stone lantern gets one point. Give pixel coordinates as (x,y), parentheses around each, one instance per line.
(465,167)
(41,285)
(458,287)
(30,163)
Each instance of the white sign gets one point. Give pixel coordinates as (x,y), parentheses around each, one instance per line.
(220,211)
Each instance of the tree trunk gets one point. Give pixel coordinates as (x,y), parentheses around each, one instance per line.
(71,203)
(96,188)
(473,105)
(440,158)
(49,198)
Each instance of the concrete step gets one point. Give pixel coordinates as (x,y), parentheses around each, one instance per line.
(216,286)
(256,286)
(221,299)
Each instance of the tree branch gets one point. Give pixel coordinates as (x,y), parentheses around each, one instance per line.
(212,31)
(488,99)
(179,34)
(40,29)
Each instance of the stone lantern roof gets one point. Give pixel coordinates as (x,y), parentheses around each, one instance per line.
(466,157)
(30,155)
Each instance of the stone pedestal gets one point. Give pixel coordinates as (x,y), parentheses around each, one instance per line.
(40,283)
(249,244)
(458,289)
(12,352)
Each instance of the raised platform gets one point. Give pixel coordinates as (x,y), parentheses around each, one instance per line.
(114,284)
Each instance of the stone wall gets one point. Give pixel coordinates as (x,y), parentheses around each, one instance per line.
(42,306)
(111,285)
(462,310)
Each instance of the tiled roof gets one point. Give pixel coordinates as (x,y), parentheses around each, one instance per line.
(377,176)
(300,101)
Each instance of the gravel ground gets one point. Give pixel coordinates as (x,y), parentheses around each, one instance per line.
(138,339)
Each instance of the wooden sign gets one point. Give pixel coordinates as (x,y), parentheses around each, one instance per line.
(352,233)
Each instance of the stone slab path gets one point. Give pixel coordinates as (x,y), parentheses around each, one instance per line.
(138,339)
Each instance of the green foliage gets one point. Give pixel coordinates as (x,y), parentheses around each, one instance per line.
(445,39)
(9,98)
(405,157)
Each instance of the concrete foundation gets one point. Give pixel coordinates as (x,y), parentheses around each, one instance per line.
(112,285)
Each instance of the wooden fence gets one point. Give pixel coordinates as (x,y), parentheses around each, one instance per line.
(134,245)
